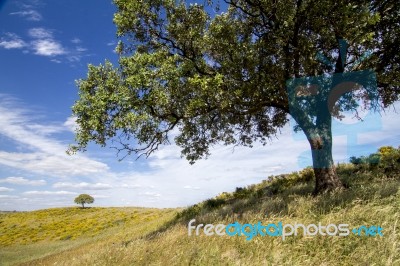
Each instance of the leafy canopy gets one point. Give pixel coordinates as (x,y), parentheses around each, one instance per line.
(206,78)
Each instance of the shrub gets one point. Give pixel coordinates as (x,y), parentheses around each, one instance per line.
(358,160)
(213,203)
(241,193)
(366,162)
(307,174)
(390,160)
(189,213)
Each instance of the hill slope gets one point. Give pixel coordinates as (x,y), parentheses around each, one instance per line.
(372,198)
(25,236)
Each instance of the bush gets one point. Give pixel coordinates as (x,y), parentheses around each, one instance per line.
(366,162)
(189,213)
(241,193)
(213,203)
(386,161)
(307,174)
(390,160)
(373,160)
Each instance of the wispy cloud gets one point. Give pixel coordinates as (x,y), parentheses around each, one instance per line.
(46,192)
(190,187)
(23,181)
(42,154)
(151,194)
(42,42)
(112,43)
(40,33)
(45,129)
(6,189)
(12,41)
(28,14)
(8,197)
(71,124)
(83,185)
(28,10)
(76,40)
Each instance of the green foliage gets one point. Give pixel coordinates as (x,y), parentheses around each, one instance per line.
(386,161)
(367,162)
(214,203)
(221,78)
(189,212)
(390,160)
(241,193)
(84,199)
(306,175)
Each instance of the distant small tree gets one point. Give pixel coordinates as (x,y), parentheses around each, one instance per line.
(84,198)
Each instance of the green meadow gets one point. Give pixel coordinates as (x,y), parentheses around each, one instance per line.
(142,236)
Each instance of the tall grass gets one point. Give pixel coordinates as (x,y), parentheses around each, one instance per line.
(373,204)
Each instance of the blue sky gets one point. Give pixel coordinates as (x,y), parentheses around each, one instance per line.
(44,47)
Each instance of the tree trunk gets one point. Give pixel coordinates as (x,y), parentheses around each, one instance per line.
(313,113)
(326,178)
(83,205)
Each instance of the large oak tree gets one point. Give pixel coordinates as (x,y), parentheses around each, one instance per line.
(222,77)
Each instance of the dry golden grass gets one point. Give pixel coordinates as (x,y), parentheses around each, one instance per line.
(29,235)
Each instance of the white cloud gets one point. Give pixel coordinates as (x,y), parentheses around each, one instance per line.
(5,189)
(112,43)
(134,186)
(48,48)
(12,41)
(42,154)
(53,164)
(80,49)
(23,181)
(151,194)
(8,197)
(71,124)
(97,196)
(43,43)
(76,40)
(190,187)
(83,185)
(40,33)
(31,15)
(44,129)
(46,193)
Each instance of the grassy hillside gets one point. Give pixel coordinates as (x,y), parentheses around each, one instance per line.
(26,236)
(371,197)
